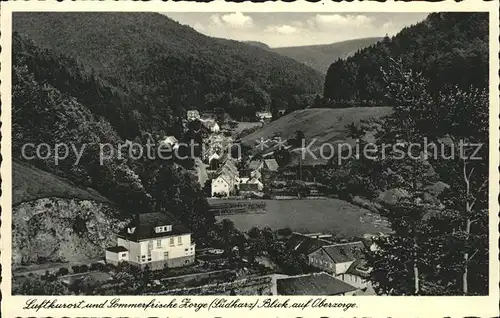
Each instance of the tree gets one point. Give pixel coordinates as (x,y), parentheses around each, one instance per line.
(298,139)
(431,233)
(35,286)
(465,126)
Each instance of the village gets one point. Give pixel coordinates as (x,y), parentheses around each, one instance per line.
(163,247)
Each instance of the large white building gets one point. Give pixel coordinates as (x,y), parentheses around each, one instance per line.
(157,240)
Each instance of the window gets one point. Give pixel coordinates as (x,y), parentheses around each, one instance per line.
(172,242)
(185,250)
(124,254)
(150,245)
(179,240)
(165,255)
(158,243)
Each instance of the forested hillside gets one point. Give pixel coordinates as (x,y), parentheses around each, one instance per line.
(170,66)
(320,57)
(447,48)
(55,101)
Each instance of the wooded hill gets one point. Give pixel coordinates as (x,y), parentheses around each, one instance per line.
(320,57)
(447,48)
(153,68)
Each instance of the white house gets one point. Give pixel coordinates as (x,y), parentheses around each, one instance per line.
(215,128)
(156,240)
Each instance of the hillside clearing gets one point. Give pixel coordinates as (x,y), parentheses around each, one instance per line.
(30,183)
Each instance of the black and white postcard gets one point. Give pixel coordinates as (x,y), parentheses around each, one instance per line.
(275,159)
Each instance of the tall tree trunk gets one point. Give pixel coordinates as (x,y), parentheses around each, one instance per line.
(466,259)
(468,222)
(415,267)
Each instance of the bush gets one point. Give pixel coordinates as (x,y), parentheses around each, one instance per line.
(84,268)
(75,269)
(95,267)
(63,271)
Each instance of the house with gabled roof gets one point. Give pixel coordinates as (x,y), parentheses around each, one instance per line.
(227,178)
(156,240)
(345,261)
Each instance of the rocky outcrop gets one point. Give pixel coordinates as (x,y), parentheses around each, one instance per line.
(62,230)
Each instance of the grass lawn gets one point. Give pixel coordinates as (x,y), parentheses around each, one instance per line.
(332,216)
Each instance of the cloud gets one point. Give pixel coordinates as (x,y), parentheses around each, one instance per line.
(281,29)
(199,27)
(235,20)
(336,21)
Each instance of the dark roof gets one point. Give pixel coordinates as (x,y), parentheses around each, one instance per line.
(271,164)
(346,252)
(305,244)
(312,284)
(117,249)
(145,224)
(359,268)
(255,164)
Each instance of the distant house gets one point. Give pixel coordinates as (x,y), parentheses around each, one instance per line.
(265,165)
(227,178)
(193,115)
(270,165)
(213,156)
(211,125)
(315,284)
(255,165)
(306,244)
(156,240)
(264,116)
(250,184)
(170,142)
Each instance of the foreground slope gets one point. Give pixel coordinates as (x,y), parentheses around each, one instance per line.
(321,56)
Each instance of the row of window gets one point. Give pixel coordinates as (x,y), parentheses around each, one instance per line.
(321,262)
(171,242)
(166,228)
(147,258)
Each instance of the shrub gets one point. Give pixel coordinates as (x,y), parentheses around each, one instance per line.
(63,271)
(84,268)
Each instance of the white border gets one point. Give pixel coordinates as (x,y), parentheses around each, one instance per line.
(366,305)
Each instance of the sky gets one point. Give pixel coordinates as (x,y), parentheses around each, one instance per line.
(279,29)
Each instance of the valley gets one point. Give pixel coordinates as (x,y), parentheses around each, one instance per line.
(238,209)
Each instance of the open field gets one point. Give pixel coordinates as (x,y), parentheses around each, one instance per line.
(333,216)
(30,183)
(322,125)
